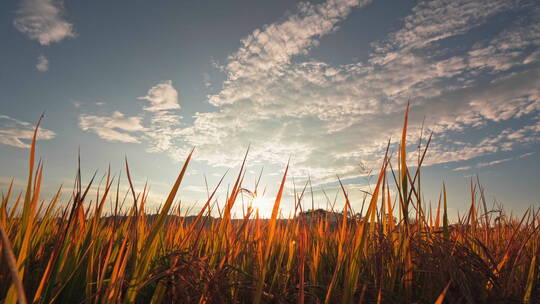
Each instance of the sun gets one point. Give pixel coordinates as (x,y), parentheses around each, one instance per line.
(262,204)
(259,201)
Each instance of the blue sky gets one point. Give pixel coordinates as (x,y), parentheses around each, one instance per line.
(325,83)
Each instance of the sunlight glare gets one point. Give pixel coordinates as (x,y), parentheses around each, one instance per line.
(263,204)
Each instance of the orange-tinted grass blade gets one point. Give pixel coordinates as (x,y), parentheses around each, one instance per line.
(147,249)
(441,297)
(206,205)
(403,165)
(12,265)
(531,281)
(271,234)
(445,215)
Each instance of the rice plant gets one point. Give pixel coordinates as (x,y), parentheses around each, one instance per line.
(80,251)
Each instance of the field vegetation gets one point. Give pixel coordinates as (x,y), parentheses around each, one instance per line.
(396,250)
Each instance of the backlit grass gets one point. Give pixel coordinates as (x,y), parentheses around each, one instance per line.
(69,252)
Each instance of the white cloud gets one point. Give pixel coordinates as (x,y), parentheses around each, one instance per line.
(274,45)
(206,80)
(116,127)
(193,188)
(484,164)
(164,121)
(526,154)
(43,20)
(331,117)
(164,127)
(16,133)
(42,64)
(506,140)
(162,96)
(493,162)
(462,168)
(509,49)
(158,130)
(436,20)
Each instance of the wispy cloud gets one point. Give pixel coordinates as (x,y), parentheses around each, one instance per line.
(331,117)
(116,127)
(484,164)
(207,80)
(503,141)
(274,45)
(43,20)
(42,64)
(493,162)
(334,119)
(526,154)
(16,133)
(164,120)
(436,20)
(157,127)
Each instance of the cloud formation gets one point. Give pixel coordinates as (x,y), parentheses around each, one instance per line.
(484,164)
(164,121)
(115,128)
(16,133)
(161,126)
(42,64)
(43,20)
(336,119)
(274,45)
(162,96)
(331,117)
(436,20)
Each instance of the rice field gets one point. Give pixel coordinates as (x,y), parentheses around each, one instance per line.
(76,250)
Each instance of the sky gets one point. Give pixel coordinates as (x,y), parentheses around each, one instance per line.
(322,83)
